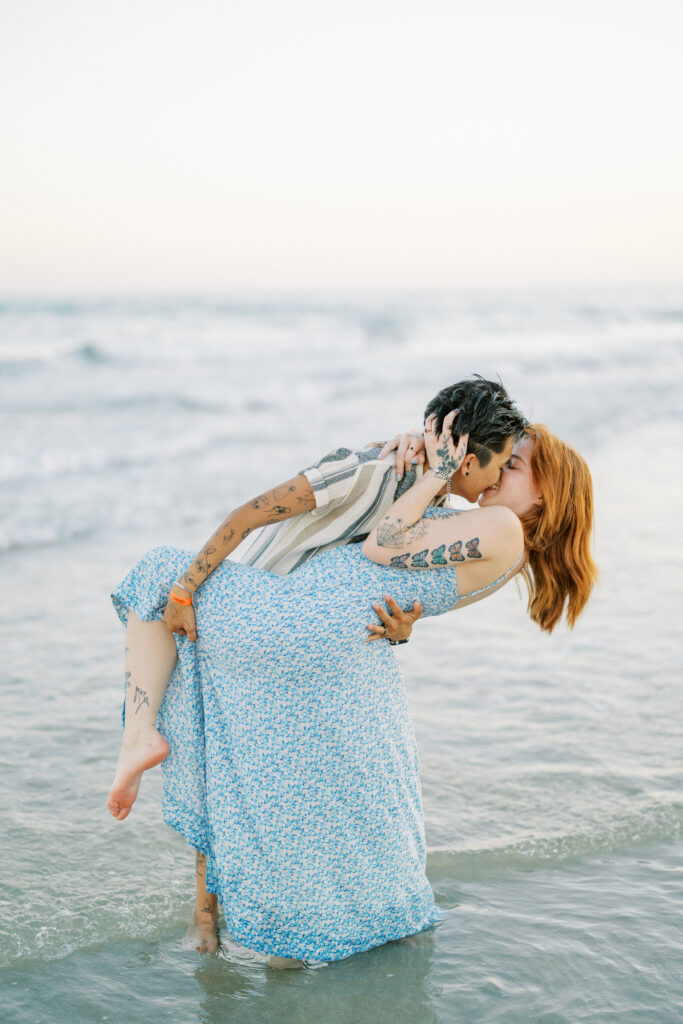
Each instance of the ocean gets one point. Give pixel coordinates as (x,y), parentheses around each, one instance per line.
(552,767)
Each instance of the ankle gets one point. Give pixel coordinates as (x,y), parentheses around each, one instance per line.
(138,732)
(206,909)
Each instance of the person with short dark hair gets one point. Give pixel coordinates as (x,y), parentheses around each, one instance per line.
(486,413)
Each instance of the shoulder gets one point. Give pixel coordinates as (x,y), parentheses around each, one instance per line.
(499,532)
(505,530)
(503,518)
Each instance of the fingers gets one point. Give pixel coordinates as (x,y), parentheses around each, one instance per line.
(396,614)
(384,615)
(393,606)
(396,623)
(388,447)
(376,632)
(401,456)
(399,614)
(447,426)
(410,450)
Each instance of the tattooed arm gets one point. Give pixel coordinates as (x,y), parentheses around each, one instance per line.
(403,523)
(483,542)
(282,502)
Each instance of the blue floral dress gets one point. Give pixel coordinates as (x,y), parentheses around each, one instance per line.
(293,763)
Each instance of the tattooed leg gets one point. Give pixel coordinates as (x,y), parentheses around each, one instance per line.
(204,931)
(150,659)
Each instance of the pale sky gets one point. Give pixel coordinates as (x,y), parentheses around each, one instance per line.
(262,144)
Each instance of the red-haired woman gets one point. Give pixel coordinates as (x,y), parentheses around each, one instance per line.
(547,484)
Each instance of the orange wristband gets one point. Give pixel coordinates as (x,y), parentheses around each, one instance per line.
(180,600)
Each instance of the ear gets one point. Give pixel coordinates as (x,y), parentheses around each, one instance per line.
(469,463)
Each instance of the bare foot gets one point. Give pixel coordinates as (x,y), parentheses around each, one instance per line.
(203,933)
(140,750)
(284,963)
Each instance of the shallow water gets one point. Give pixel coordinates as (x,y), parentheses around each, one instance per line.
(551,767)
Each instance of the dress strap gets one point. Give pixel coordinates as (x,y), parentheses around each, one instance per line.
(495,583)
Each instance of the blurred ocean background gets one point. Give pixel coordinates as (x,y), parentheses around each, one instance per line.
(552,767)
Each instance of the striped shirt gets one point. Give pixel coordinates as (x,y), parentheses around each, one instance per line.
(352,490)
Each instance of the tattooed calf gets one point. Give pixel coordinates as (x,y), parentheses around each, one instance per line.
(140,698)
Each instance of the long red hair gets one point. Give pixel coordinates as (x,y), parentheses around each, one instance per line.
(560,571)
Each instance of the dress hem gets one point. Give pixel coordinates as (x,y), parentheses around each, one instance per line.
(197,838)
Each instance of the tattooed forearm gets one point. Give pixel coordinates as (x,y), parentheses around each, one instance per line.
(128,675)
(394,534)
(281,502)
(277,495)
(277,513)
(437,556)
(202,560)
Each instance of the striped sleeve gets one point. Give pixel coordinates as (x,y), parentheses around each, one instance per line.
(331,478)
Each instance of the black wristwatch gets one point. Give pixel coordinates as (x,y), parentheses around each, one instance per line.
(394,642)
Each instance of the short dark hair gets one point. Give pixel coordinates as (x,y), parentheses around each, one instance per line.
(486,413)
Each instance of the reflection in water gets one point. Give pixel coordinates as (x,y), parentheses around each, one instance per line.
(238,987)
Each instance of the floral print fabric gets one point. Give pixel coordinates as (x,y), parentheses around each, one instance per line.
(293,763)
